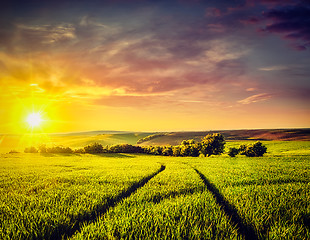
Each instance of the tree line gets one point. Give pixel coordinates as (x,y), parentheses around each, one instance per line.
(251,150)
(211,144)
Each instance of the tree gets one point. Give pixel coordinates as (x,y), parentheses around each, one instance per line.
(157,150)
(189,148)
(94,148)
(125,148)
(167,150)
(242,149)
(79,150)
(186,147)
(31,150)
(255,150)
(176,151)
(233,152)
(42,148)
(212,144)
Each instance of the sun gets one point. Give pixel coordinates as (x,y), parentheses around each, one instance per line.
(34,119)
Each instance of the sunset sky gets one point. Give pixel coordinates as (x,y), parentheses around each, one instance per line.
(165,65)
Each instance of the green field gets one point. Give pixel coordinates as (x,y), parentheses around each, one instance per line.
(136,196)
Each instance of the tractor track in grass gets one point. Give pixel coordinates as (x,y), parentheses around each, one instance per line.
(64,232)
(245,230)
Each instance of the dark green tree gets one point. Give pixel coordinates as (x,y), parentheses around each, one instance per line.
(212,144)
(233,152)
(242,149)
(255,150)
(176,151)
(94,148)
(167,150)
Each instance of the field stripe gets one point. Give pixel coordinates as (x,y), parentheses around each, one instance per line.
(63,233)
(243,229)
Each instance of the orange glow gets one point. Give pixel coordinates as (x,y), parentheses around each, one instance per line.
(56,97)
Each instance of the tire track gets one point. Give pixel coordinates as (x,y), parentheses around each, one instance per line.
(245,230)
(63,232)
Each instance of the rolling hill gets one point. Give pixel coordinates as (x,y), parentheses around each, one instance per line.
(175,138)
(80,139)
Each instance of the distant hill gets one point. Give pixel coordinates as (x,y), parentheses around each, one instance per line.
(102,137)
(74,140)
(81,139)
(88,133)
(175,138)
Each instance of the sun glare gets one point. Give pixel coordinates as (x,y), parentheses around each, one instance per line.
(34,119)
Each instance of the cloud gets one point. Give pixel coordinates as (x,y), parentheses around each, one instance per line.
(191,101)
(153,53)
(291,22)
(128,101)
(273,3)
(250,89)
(255,98)
(288,18)
(162,60)
(250,20)
(213,12)
(275,68)
(46,34)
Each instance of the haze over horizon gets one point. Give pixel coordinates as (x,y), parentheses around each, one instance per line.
(144,65)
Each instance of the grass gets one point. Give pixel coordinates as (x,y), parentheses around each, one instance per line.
(46,196)
(172,205)
(132,196)
(271,194)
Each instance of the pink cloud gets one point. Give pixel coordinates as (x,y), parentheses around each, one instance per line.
(250,20)
(255,98)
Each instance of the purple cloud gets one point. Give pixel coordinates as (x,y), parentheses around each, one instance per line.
(213,12)
(292,22)
(273,3)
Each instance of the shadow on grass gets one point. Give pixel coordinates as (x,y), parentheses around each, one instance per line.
(106,155)
(64,231)
(173,194)
(266,183)
(58,154)
(246,230)
(306,220)
(48,154)
(114,155)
